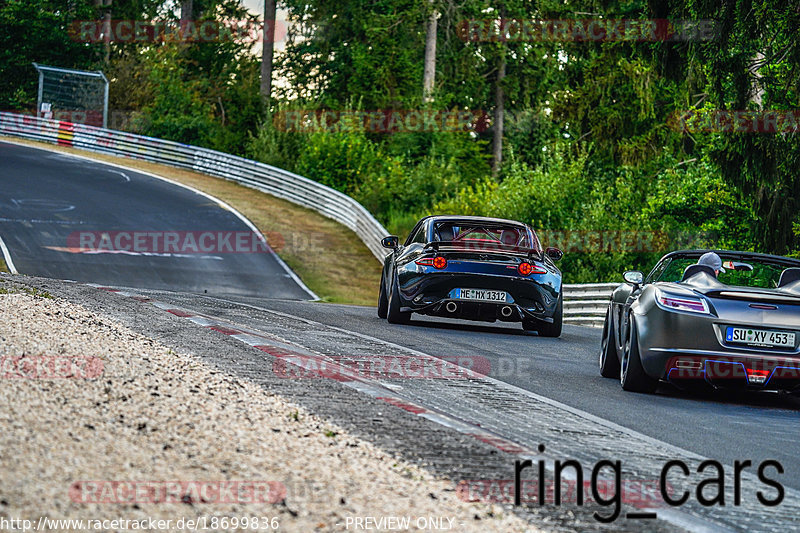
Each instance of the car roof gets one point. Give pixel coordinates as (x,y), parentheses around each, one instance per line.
(469,218)
(742,255)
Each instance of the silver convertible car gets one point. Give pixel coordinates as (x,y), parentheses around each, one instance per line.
(686,325)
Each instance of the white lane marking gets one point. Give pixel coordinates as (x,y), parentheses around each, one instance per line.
(7,257)
(76,250)
(42,203)
(249,339)
(219,202)
(201,321)
(127,178)
(42,221)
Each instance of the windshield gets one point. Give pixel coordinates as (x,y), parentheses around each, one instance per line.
(751,272)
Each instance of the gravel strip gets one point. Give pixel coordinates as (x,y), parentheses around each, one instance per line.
(140,412)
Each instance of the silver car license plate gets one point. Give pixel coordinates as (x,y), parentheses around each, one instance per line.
(760,337)
(485,295)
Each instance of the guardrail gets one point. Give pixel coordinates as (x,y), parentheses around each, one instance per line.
(275,181)
(586,304)
(583,304)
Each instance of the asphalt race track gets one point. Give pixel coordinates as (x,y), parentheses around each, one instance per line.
(45,197)
(724,427)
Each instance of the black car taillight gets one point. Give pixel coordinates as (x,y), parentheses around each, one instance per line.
(438,262)
(526,269)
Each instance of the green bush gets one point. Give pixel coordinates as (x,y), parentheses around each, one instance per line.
(342,160)
(608,220)
(273,145)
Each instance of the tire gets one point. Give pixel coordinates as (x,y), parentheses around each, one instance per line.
(609,359)
(394,315)
(383,300)
(547,329)
(632,376)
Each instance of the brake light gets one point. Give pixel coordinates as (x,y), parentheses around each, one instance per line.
(436,262)
(681,303)
(757,376)
(526,269)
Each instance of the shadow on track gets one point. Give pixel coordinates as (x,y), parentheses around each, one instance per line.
(761,399)
(480,327)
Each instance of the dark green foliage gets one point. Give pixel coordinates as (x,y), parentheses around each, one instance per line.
(38,31)
(754,65)
(592,155)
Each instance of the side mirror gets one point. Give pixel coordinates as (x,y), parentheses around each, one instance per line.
(391,242)
(634,277)
(554,253)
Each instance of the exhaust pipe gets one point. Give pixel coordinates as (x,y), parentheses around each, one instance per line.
(506,311)
(451,307)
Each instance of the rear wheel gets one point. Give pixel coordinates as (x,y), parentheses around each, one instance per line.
(632,375)
(553,329)
(383,300)
(609,360)
(394,315)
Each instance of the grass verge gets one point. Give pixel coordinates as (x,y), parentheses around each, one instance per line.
(329,258)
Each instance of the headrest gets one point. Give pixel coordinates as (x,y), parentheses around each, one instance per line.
(445,233)
(691,270)
(509,237)
(790,275)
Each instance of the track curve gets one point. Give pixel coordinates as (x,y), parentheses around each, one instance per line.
(49,199)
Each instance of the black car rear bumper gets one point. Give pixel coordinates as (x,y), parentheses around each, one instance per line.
(478,310)
(530,297)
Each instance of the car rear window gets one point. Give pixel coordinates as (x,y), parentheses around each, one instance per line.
(490,235)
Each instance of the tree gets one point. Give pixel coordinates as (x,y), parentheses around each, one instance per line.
(186,12)
(360,50)
(40,31)
(268,42)
(429,75)
(753,63)
(499,115)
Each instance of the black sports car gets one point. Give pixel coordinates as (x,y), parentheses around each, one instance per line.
(692,327)
(472,268)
